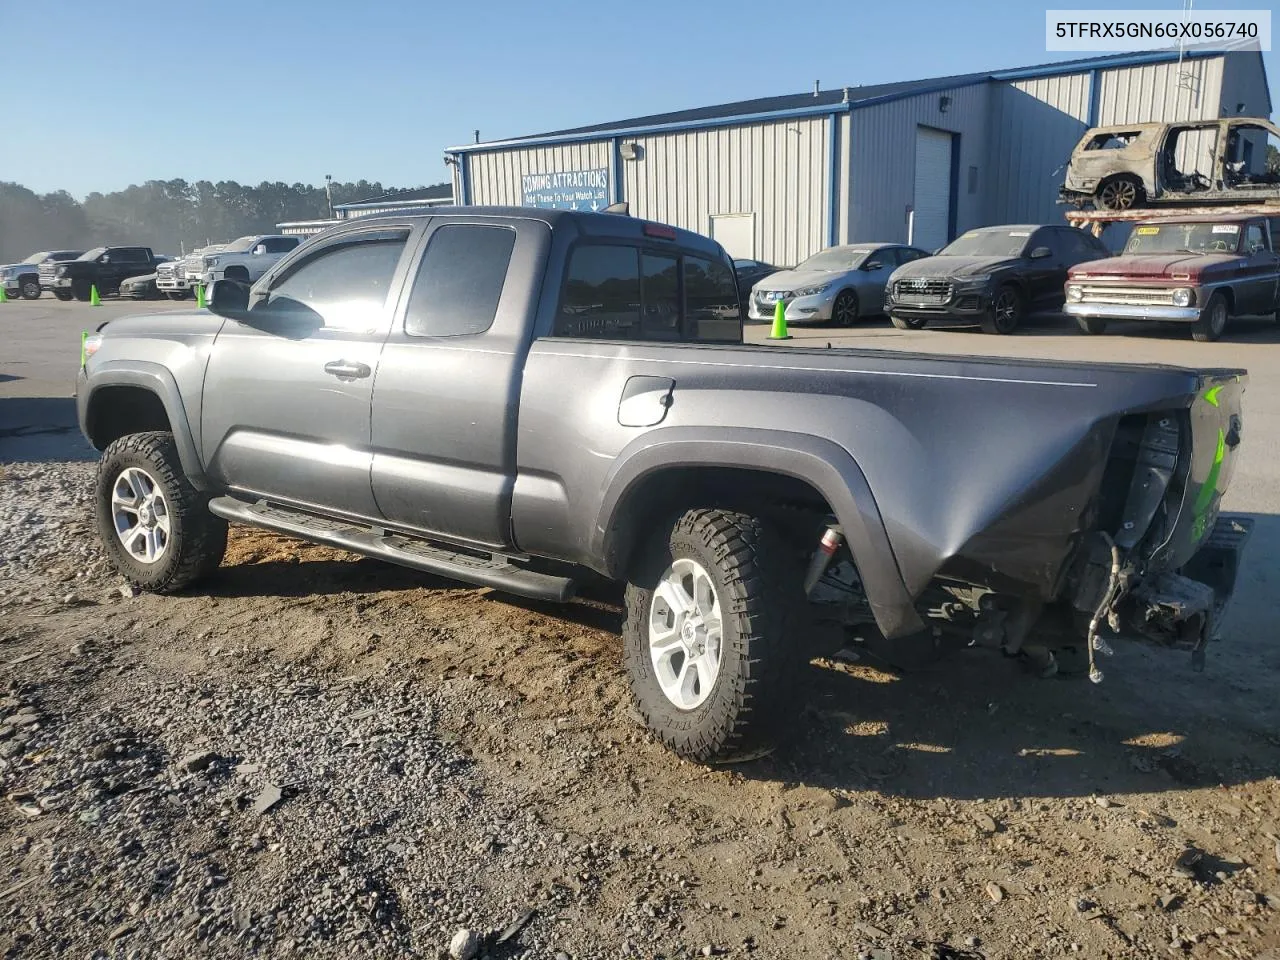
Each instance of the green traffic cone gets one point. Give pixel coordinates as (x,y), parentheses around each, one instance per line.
(779,331)
(199,296)
(94,299)
(4,297)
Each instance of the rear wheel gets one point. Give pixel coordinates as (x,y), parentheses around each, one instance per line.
(845,310)
(30,289)
(1094,325)
(706,642)
(62,295)
(176,294)
(1213,320)
(1120,193)
(907,323)
(1005,313)
(156,528)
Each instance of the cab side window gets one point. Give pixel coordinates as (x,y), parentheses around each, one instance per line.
(713,312)
(460,280)
(342,285)
(1254,239)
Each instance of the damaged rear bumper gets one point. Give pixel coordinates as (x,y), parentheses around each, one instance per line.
(1184,609)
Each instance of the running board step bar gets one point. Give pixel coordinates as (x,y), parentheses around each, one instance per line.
(494,570)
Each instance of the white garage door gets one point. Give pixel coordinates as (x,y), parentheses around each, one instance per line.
(736,232)
(933,188)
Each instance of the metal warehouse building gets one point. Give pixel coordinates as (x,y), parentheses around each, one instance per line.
(778,179)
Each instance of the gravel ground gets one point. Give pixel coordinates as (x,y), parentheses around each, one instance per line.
(325,756)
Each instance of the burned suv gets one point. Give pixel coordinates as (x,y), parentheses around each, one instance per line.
(1137,164)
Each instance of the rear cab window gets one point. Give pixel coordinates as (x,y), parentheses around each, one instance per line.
(619,291)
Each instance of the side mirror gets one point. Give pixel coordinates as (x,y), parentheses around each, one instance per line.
(260,249)
(104,258)
(1039,253)
(229,298)
(872,265)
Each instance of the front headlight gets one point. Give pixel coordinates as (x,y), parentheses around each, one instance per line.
(812,291)
(1183,297)
(981,280)
(91,344)
(210,261)
(1075,292)
(61,272)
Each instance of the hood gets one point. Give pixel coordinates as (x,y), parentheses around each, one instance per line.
(799,279)
(179,323)
(952,266)
(1154,266)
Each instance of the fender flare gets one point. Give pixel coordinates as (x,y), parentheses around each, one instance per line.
(826,466)
(156,379)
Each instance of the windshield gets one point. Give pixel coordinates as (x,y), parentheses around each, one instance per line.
(1184,238)
(240,245)
(35,257)
(987,243)
(837,258)
(93,254)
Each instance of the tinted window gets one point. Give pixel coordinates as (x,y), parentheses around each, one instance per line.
(280,244)
(128,255)
(601,295)
(711,299)
(910,253)
(343,284)
(1275,233)
(660,295)
(1254,239)
(889,257)
(459,281)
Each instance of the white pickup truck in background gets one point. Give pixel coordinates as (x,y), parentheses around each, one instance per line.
(247,258)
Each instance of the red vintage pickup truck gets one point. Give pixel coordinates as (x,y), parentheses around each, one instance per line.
(1199,269)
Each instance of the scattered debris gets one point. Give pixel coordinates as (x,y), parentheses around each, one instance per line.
(995,891)
(199,761)
(268,798)
(465,945)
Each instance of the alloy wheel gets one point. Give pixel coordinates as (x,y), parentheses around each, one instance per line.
(686,634)
(140,514)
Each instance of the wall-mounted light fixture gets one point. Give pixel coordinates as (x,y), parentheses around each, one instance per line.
(944,104)
(630,151)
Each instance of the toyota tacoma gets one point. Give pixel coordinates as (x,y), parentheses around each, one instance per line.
(530,400)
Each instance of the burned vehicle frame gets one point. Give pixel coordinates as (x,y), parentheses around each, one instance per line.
(1127,166)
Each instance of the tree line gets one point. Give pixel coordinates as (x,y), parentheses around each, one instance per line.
(167,215)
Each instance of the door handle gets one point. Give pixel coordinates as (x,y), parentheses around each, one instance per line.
(346,370)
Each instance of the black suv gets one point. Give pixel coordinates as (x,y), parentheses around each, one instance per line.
(103,267)
(992,275)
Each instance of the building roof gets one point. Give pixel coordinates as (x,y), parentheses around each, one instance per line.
(827,101)
(438,191)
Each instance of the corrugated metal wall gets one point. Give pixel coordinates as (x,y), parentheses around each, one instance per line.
(1161,92)
(494,177)
(881,168)
(1034,125)
(1244,93)
(776,171)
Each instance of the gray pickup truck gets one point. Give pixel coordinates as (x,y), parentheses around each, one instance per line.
(531,399)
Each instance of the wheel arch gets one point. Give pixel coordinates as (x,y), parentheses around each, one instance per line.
(666,471)
(122,399)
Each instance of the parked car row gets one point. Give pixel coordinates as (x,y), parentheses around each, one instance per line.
(140,273)
(1199,269)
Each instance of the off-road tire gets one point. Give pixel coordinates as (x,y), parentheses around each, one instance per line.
(1213,320)
(907,323)
(82,290)
(760,594)
(62,295)
(30,289)
(1092,325)
(197,539)
(993,322)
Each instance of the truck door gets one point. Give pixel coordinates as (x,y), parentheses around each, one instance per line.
(1259,270)
(119,264)
(448,388)
(287,398)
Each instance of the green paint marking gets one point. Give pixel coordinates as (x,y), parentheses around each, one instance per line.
(84,335)
(1210,486)
(1211,395)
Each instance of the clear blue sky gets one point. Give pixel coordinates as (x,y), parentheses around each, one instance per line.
(104,93)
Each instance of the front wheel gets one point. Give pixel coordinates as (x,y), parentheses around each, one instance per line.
(907,323)
(81,291)
(30,289)
(1005,313)
(176,294)
(1213,320)
(156,528)
(1093,325)
(845,310)
(706,640)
